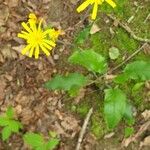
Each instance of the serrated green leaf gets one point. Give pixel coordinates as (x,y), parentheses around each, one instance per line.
(52,144)
(33,139)
(129,131)
(114,53)
(114,106)
(82,35)
(10,112)
(71,82)
(6,132)
(122,78)
(137,70)
(90,60)
(15,126)
(128,115)
(4,121)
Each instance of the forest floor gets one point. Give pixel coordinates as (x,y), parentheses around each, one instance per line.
(41,110)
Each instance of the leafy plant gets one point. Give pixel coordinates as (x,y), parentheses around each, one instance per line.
(137,70)
(90,60)
(129,131)
(82,35)
(114,106)
(71,83)
(37,142)
(9,124)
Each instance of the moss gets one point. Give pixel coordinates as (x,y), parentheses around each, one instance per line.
(100,43)
(123,42)
(83,109)
(97,126)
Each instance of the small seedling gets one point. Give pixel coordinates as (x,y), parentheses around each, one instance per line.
(9,124)
(37,142)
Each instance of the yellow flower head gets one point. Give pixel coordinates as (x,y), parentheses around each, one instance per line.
(36,38)
(54,34)
(85,4)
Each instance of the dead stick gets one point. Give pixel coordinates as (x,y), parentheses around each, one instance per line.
(120,65)
(126,60)
(127,28)
(82,132)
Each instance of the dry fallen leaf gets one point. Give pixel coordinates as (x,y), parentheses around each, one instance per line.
(7,52)
(135,137)
(94,29)
(4,14)
(146,142)
(12,3)
(2,88)
(146,114)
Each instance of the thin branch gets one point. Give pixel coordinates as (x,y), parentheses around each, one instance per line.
(129,58)
(83,130)
(120,65)
(128,29)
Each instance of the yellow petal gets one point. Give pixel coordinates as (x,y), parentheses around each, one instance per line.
(94,13)
(27,48)
(47,32)
(47,46)
(83,5)
(31,51)
(110,2)
(40,24)
(45,50)
(20,35)
(50,42)
(37,52)
(33,25)
(32,16)
(26,27)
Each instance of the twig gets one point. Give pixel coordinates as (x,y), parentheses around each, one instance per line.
(148,16)
(120,65)
(84,17)
(126,60)
(82,132)
(127,28)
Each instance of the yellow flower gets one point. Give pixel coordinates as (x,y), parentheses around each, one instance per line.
(85,4)
(36,38)
(54,34)
(32,18)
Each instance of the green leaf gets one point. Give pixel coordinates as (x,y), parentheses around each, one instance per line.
(72,82)
(15,125)
(10,112)
(82,35)
(52,134)
(6,132)
(114,106)
(128,115)
(129,131)
(122,78)
(4,121)
(52,144)
(137,86)
(90,60)
(137,70)
(114,53)
(33,139)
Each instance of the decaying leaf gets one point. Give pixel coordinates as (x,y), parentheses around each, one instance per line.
(135,137)
(94,29)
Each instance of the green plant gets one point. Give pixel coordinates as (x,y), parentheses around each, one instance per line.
(9,124)
(37,142)
(94,52)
